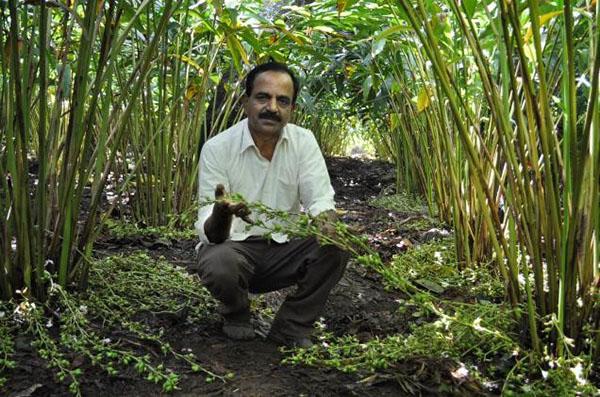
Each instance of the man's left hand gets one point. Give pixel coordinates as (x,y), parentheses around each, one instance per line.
(325,222)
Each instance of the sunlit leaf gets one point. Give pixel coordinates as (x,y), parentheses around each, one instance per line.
(323,29)
(529,51)
(423,101)
(349,70)
(366,87)
(544,19)
(189,61)
(192,91)
(215,78)
(341,5)
(299,10)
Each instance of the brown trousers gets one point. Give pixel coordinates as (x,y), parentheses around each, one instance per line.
(232,269)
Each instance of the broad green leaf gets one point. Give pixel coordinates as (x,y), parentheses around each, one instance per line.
(204,26)
(378,46)
(237,51)
(250,38)
(391,31)
(315,53)
(430,285)
(470,7)
(295,38)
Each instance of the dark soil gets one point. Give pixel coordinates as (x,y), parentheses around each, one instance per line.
(359,305)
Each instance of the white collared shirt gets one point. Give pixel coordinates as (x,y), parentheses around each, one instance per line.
(296,176)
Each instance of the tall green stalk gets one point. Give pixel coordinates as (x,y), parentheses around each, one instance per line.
(67,128)
(548,240)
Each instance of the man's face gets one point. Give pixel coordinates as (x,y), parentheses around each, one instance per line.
(269,107)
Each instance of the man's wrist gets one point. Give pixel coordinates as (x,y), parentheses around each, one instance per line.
(218,224)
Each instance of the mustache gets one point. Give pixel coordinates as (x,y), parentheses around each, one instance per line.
(269,116)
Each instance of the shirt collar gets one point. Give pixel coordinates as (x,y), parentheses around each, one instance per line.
(247,140)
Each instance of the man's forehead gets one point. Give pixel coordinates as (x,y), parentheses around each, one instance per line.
(273,75)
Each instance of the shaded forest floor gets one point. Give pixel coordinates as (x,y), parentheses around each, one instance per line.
(358,306)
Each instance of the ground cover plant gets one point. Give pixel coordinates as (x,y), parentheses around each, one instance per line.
(475,267)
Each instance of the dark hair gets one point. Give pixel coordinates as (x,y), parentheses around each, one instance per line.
(271,66)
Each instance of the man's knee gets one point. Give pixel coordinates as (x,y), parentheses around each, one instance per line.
(336,256)
(220,267)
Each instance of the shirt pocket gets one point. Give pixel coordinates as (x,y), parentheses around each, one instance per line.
(286,191)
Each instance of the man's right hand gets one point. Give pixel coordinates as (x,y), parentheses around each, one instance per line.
(218,224)
(226,208)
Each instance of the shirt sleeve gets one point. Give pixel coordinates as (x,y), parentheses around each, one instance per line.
(316,192)
(211,172)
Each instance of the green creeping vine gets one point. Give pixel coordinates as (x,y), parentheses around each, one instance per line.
(121,287)
(7,347)
(471,330)
(120,229)
(401,202)
(303,226)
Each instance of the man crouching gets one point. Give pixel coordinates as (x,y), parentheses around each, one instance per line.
(267,160)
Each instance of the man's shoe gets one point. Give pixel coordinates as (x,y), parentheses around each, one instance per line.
(238,330)
(237,325)
(280,339)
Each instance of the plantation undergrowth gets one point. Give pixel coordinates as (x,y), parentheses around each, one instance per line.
(459,336)
(103,325)
(459,315)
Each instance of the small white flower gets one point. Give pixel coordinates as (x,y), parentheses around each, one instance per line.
(106,341)
(578,372)
(477,325)
(83,309)
(460,373)
(49,323)
(320,324)
(22,311)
